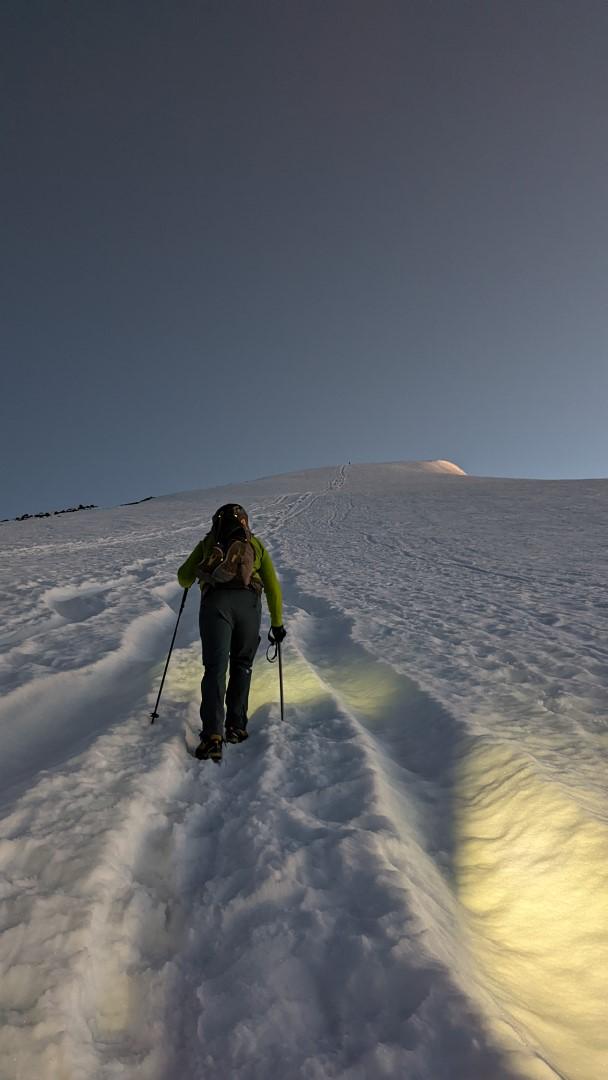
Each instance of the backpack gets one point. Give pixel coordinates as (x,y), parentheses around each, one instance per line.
(230,561)
(233,566)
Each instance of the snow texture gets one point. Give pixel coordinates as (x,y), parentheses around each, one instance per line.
(408,878)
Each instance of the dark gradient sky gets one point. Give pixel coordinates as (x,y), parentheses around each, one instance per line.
(241,238)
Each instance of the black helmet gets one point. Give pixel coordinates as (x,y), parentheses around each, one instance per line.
(229,519)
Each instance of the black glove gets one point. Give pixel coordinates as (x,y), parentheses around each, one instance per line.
(277,634)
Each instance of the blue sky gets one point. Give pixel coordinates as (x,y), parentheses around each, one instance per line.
(247,238)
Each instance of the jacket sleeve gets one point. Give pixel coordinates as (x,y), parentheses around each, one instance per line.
(272,589)
(186,575)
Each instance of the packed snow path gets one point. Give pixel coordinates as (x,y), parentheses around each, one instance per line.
(407,878)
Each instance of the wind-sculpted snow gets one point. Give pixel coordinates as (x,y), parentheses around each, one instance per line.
(407,878)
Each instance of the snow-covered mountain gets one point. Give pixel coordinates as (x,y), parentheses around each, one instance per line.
(406,879)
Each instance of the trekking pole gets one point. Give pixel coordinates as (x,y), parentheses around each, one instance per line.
(281,680)
(272,659)
(154,714)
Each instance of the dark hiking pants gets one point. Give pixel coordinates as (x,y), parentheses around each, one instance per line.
(229,622)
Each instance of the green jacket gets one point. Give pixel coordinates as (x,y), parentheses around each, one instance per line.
(263,570)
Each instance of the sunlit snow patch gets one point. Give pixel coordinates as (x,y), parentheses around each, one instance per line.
(445,467)
(532,873)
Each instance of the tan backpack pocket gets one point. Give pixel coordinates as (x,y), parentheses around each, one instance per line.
(235,567)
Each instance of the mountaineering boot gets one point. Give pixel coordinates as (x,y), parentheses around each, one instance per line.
(210,747)
(236,734)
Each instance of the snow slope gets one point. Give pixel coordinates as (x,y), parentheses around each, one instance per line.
(408,878)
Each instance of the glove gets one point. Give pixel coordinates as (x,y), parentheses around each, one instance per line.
(277,634)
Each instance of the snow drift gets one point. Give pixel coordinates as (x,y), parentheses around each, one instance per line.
(405,879)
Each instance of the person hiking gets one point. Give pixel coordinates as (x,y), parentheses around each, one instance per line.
(233,567)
